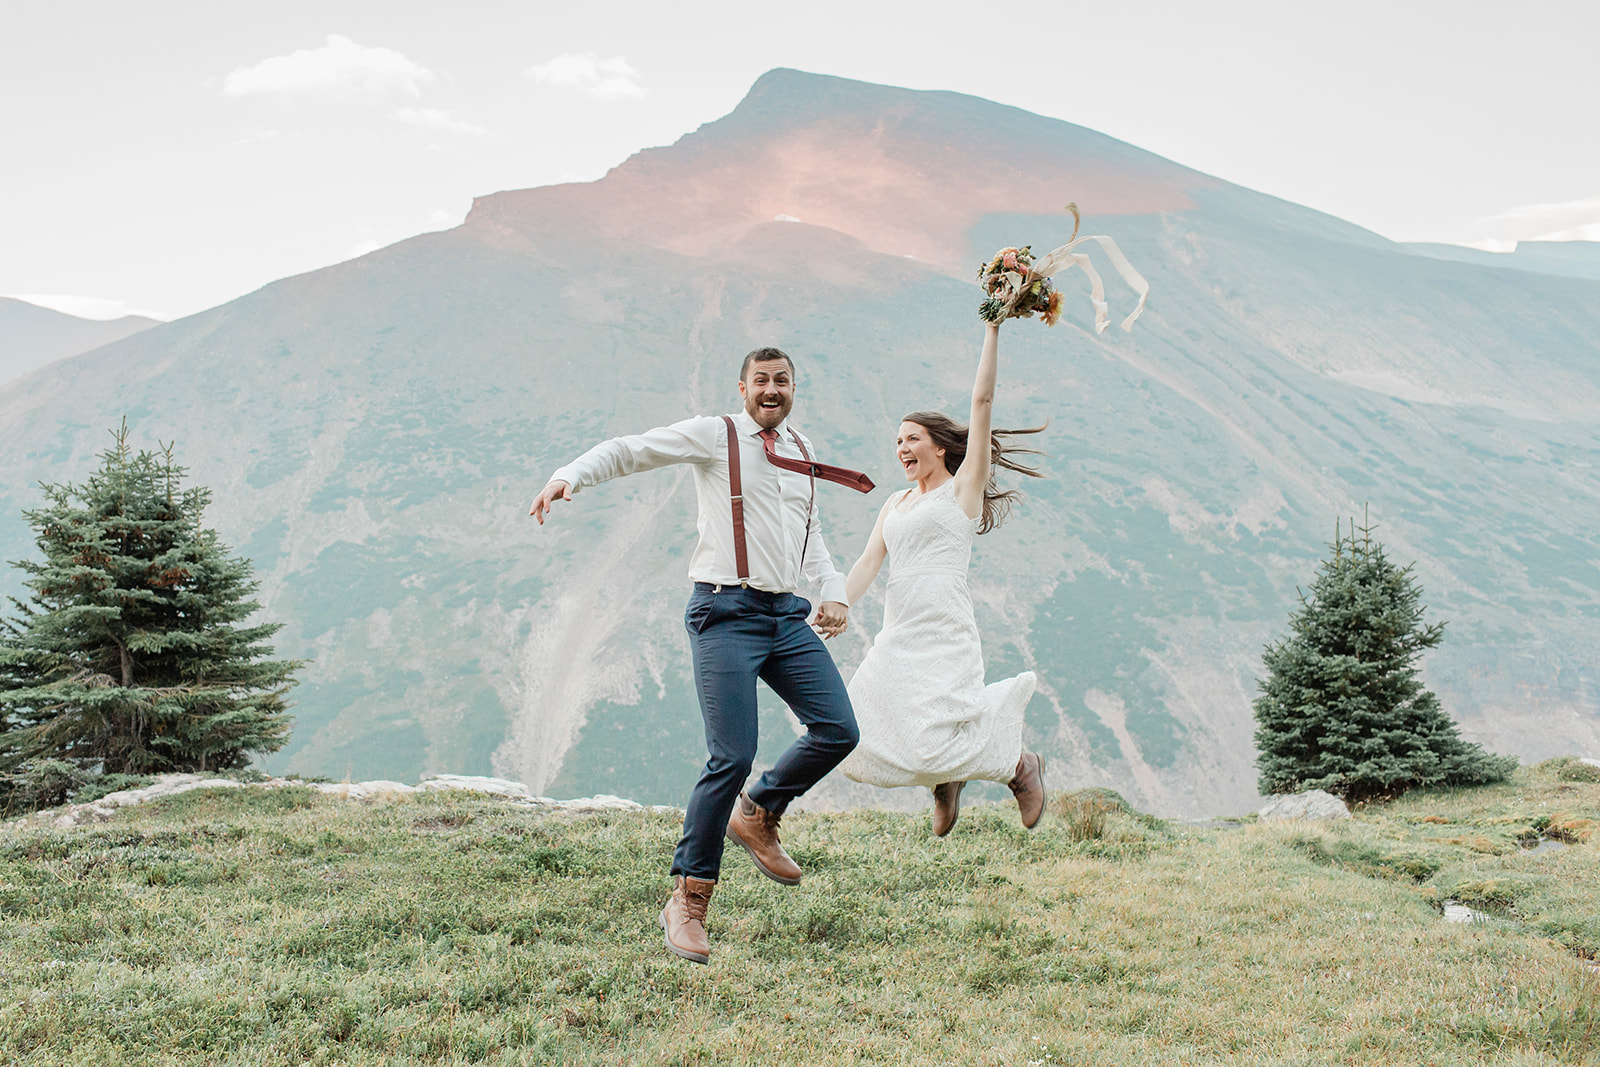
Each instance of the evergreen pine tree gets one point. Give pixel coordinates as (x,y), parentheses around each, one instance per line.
(1341,707)
(129,656)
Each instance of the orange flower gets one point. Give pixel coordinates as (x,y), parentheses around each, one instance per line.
(1052,311)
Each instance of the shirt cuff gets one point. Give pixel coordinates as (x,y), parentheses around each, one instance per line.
(833,589)
(565,474)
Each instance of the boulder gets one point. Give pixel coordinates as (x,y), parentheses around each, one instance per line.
(1314,804)
(165,785)
(472,783)
(602,802)
(363,790)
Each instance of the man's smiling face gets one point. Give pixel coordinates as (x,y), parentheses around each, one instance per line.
(768,391)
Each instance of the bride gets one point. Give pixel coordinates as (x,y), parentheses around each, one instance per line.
(925,715)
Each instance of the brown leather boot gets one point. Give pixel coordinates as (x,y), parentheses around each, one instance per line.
(1028,786)
(683,920)
(756,828)
(946,806)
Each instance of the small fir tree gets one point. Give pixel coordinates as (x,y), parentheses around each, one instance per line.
(129,656)
(1341,707)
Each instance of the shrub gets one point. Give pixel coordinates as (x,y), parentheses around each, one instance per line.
(1577,771)
(1084,812)
(35,784)
(106,784)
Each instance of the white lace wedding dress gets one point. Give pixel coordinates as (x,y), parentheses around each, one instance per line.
(925,715)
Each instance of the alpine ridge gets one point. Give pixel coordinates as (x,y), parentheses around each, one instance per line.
(373,432)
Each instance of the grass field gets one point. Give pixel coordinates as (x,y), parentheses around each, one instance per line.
(281,927)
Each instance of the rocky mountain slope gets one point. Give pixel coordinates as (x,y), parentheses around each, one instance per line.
(31,336)
(375,430)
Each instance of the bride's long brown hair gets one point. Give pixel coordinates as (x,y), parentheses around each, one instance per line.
(951,436)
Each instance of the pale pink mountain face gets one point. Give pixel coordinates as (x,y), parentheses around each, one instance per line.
(891,179)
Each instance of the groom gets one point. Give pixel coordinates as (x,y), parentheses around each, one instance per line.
(759,538)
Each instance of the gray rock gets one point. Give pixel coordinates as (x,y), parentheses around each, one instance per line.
(602,802)
(1314,804)
(1458,913)
(497,787)
(167,785)
(363,790)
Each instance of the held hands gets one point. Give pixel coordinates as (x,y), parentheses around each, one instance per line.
(832,618)
(556,490)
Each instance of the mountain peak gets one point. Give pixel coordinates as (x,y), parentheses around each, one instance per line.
(906,172)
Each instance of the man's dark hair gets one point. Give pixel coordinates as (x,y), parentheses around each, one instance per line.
(763,355)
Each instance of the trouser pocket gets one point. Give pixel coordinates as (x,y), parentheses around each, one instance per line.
(700,612)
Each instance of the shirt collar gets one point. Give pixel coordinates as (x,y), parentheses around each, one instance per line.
(750,427)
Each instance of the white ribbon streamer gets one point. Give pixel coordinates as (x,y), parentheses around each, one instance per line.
(1064,258)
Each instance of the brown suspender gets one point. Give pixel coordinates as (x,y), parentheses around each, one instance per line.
(741,558)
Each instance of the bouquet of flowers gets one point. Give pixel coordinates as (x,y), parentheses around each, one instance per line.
(1018,286)
(1015,292)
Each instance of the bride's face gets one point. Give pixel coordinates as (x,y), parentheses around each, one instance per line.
(918,454)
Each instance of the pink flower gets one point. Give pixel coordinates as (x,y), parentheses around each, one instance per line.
(1011,260)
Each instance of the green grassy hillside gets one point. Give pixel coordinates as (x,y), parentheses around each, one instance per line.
(279,927)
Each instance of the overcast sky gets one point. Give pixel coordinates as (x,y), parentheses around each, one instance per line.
(168,155)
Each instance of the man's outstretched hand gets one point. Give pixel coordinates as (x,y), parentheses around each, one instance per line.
(832,618)
(557,490)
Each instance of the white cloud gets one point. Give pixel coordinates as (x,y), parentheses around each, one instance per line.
(86,307)
(603,79)
(1587,232)
(1569,220)
(433,118)
(341,68)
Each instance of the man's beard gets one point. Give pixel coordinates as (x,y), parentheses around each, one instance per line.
(761,414)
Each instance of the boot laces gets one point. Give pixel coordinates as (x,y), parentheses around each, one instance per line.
(695,902)
(1017,785)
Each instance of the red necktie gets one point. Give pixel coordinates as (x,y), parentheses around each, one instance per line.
(828,473)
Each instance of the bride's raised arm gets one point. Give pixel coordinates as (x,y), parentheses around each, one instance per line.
(974,472)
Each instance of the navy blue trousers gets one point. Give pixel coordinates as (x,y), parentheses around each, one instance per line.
(738,635)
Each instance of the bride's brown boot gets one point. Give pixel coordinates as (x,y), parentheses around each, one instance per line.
(946,806)
(1028,787)
(683,920)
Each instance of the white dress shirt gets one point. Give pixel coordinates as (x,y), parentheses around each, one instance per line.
(779,522)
